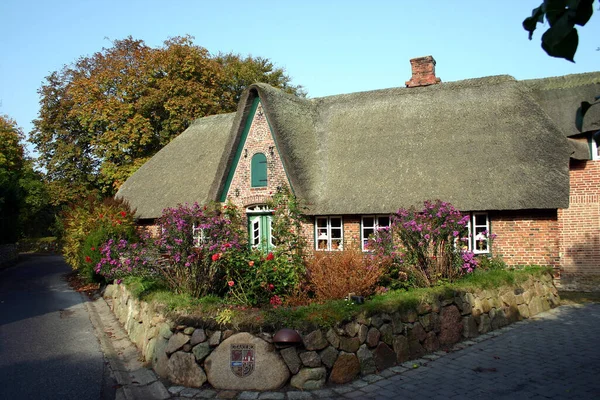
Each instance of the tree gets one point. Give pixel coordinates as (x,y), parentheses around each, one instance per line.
(102,117)
(11,162)
(561,38)
(23,195)
(241,72)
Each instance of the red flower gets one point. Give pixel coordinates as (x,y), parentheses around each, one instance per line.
(93,248)
(251,263)
(88,259)
(270,287)
(231,283)
(270,256)
(215,257)
(119,222)
(123,213)
(101,215)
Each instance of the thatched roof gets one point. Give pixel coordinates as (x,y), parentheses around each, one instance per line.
(181,172)
(481,144)
(561,96)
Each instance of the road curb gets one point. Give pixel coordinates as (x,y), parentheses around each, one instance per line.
(135,382)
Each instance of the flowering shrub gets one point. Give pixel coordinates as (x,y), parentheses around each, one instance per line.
(333,275)
(187,255)
(427,244)
(120,258)
(255,278)
(87,225)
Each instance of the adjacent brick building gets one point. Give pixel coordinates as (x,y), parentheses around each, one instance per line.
(505,151)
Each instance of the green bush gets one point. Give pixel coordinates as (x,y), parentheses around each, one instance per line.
(88,224)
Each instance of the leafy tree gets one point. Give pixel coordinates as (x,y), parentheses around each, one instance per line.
(561,38)
(11,163)
(102,117)
(23,196)
(241,72)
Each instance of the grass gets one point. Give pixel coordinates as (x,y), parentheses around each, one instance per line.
(211,311)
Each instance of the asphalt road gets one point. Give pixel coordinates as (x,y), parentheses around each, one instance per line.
(48,349)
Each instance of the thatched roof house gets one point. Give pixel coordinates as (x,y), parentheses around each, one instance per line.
(481,144)
(491,144)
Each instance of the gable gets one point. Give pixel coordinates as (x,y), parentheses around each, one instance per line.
(257,168)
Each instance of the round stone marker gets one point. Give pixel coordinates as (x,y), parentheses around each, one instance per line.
(246,362)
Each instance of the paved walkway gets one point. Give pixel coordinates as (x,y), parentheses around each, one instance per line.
(555,355)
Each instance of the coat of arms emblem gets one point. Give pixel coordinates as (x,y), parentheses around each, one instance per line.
(242,359)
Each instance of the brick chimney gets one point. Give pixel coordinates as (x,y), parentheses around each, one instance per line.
(423,72)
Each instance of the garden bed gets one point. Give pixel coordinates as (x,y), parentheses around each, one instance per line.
(339,341)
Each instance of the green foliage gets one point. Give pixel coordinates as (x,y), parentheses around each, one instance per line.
(88,223)
(24,200)
(490,263)
(255,278)
(102,117)
(561,38)
(241,72)
(423,247)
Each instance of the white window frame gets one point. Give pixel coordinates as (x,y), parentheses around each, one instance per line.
(376,226)
(324,234)
(594,145)
(473,237)
(199,236)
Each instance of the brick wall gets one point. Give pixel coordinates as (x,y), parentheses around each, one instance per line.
(259,140)
(526,237)
(580,223)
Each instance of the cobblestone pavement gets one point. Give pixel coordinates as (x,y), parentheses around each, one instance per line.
(555,355)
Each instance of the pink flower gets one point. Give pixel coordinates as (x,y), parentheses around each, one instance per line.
(231,283)
(251,263)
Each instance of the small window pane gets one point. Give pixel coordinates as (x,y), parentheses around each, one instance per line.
(480,219)
(368,222)
(336,222)
(322,222)
(384,221)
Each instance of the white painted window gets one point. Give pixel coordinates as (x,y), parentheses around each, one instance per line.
(329,233)
(594,146)
(479,233)
(198,235)
(369,225)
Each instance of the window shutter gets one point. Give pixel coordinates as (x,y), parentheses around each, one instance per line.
(259,170)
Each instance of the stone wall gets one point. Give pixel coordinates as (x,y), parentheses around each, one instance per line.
(9,255)
(193,355)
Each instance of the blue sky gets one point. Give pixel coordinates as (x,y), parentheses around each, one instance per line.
(329,47)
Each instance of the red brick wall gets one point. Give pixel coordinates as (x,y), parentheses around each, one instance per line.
(526,237)
(259,140)
(580,223)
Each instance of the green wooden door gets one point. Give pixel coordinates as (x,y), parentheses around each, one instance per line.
(259,230)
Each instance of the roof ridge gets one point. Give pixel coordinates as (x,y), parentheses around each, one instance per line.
(564,81)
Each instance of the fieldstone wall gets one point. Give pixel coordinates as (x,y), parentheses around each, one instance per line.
(9,255)
(192,355)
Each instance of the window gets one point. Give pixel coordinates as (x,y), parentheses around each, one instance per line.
(329,233)
(594,147)
(258,170)
(479,233)
(198,235)
(369,226)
